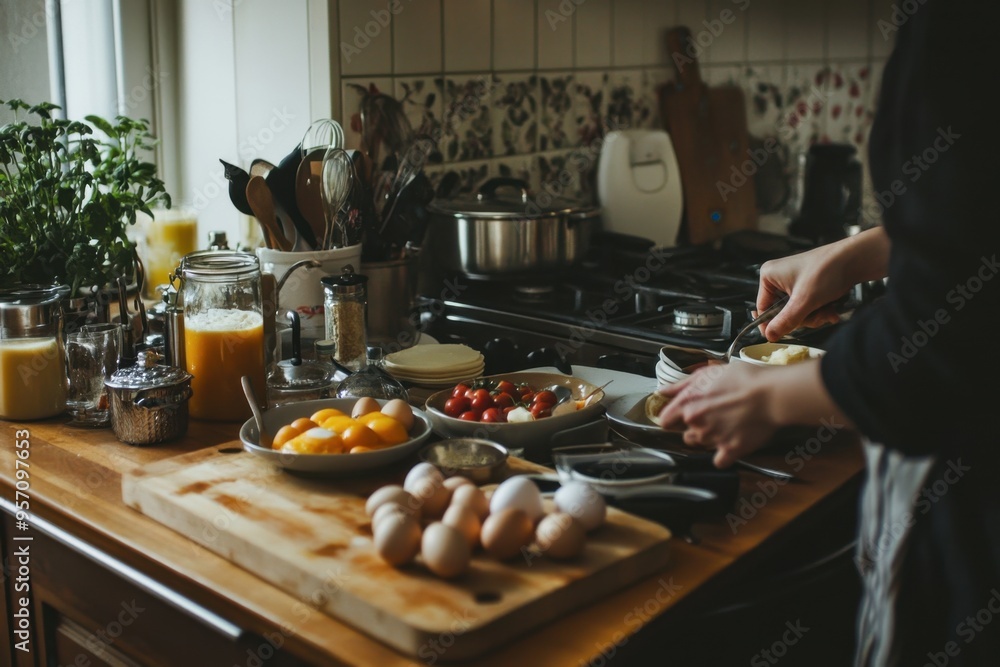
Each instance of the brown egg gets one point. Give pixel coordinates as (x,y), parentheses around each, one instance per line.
(453,483)
(463,518)
(401,411)
(388,509)
(505,532)
(560,536)
(390,493)
(363,406)
(469,495)
(432,497)
(397,539)
(445,550)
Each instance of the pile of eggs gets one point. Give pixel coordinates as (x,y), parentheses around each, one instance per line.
(330,431)
(446,520)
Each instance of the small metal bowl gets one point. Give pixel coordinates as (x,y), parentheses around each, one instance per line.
(476,459)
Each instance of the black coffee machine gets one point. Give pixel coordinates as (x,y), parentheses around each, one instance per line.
(831,198)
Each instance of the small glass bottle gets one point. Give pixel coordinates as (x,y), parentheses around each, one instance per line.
(346,311)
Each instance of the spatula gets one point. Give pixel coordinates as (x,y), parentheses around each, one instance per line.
(262,203)
(309,191)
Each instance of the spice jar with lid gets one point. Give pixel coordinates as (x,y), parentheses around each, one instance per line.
(223,330)
(32,354)
(149,401)
(346,308)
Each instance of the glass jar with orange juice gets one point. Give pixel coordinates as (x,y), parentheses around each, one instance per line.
(220,292)
(169,236)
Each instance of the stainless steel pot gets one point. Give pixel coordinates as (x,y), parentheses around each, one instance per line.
(499,233)
(149,402)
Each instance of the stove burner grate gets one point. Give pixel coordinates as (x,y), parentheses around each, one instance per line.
(698,316)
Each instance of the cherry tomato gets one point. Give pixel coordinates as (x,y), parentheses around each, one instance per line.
(481,394)
(540,410)
(454,407)
(459,390)
(503,400)
(528,397)
(481,403)
(524,389)
(545,396)
(505,387)
(506,411)
(493,416)
(471,416)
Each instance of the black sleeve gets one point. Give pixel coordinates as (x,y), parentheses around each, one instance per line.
(919,368)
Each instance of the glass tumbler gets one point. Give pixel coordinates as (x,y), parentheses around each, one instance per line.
(91,358)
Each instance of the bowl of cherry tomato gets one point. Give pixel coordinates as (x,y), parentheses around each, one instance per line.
(514,409)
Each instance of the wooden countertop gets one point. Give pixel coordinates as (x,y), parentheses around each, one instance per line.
(75,483)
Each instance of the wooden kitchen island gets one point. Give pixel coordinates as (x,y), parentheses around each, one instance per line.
(110,586)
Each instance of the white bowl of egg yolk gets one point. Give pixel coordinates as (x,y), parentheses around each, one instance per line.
(340,444)
(778,354)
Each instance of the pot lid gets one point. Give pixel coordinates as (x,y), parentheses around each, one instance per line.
(147,374)
(308,374)
(510,198)
(346,284)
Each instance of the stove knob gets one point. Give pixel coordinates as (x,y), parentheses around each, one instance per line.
(546,356)
(501,355)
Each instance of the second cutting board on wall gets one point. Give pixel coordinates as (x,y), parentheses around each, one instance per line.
(708,128)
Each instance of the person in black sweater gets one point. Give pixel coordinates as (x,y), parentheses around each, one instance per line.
(915,372)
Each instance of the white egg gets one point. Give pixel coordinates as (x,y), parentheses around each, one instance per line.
(422,469)
(583,503)
(520,493)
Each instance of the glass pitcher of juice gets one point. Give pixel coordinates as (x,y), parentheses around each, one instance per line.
(220,293)
(170,235)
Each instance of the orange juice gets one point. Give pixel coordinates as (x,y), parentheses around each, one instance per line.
(169,236)
(32,378)
(221,346)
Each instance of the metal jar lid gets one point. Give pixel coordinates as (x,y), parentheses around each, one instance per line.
(147,375)
(218,265)
(347,283)
(305,376)
(509,198)
(29,310)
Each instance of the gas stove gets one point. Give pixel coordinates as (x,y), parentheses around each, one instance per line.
(615,310)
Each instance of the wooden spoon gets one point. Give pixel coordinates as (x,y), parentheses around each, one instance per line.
(262,202)
(309,191)
(264,439)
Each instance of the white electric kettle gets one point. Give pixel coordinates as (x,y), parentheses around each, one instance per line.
(639,185)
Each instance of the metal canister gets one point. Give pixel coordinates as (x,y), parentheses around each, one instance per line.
(149,401)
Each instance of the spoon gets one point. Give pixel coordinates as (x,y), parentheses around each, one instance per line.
(262,203)
(766,316)
(263,439)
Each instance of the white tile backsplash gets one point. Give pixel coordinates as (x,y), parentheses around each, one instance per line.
(513,35)
(365,44)
(467,35)
(847,28)
(629,21)
(765,31)
(417,38)
(555,35)
(593,34)
(519,86)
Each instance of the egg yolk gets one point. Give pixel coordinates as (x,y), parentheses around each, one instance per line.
(339,424)
(360,435)
(315,441)
(321,416)
(389,430)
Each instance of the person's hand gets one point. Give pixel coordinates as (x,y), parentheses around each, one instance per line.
(811,287)
(723,407)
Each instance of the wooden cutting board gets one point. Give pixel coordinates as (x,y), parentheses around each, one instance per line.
(708,128)
(312,539)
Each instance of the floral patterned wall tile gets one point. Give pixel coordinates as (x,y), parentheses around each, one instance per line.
(848,110)
(589,106)
(764,91)
(421,98)
(467,119)
(351,93)
(471,175)
(566,174)
(630,100)
(515,114)
(806,95)
(557,124)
